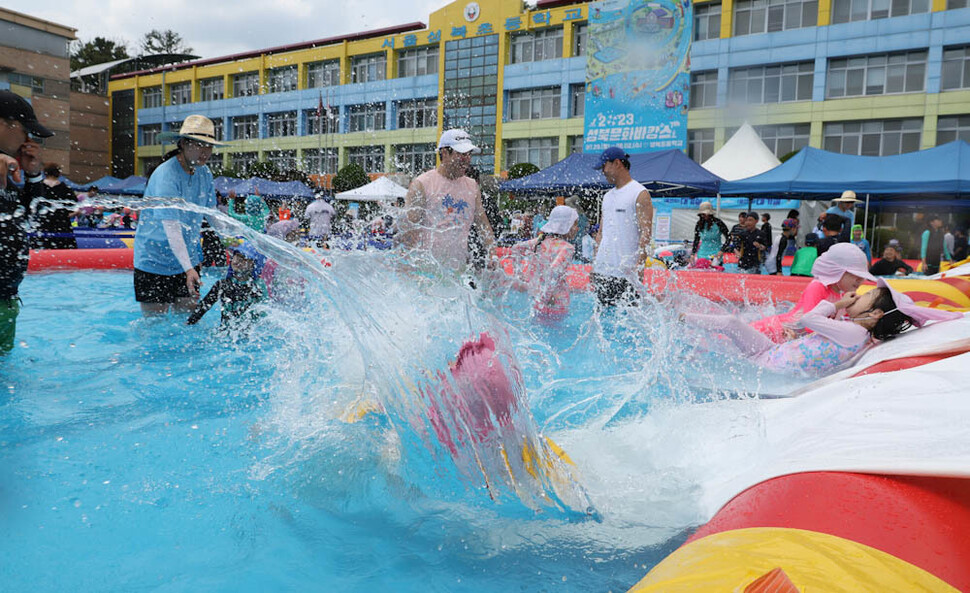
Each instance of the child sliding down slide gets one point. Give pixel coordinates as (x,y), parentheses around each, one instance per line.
(838,271)
(879,315)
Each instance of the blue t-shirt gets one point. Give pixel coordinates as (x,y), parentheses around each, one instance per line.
(850,213)
(152,250)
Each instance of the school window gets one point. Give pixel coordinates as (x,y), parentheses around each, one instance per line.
(575,144)
(366,117)
(283,79)
(541,152)
(535,46)
(149,134)
(282,124)
(703,89)
(325,121)
(771,84)
(700,144)
(534,104)
(369,68)
(577,100)
(174,126)
(952,127)
(707,21)
(283,160)
(883,74)
(211,89)
(874,137)
(766,16)
(784,139)
(34,83)
(954,4)
(845,11)
(245,127)
(320,160)
(956,68)
(218,127)
(421,113)
(321,74)
(371,158)
(151,97)
(244,160)
(580,38)
(414,158)
(180,93)
(245,84)
(417,62)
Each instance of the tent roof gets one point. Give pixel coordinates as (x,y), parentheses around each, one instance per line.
(668,171)
(265,187)
(381,188)
(940,171)
(744,155)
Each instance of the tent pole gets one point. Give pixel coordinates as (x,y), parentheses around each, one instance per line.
(865,220)
(717,211)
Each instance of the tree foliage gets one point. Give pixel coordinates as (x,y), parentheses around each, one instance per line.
(350,177)
(97,51)
(521,170)
(163,42)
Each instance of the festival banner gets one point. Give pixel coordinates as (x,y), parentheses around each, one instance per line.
(638,75)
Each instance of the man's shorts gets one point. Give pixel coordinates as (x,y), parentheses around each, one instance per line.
(612,291)
(158,288)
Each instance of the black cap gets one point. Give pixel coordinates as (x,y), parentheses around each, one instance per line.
(13,106)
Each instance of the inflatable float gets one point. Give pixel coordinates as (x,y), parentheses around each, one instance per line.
(859,482)
(44,260)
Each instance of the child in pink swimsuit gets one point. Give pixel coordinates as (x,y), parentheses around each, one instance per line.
(838,271)
(546,260)
(880,314)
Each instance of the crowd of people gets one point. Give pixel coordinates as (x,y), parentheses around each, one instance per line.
(444,211)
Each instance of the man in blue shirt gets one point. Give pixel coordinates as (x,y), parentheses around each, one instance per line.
(168,253)
(844,206)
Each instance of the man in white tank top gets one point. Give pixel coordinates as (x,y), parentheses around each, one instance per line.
(626,223)
(443,204)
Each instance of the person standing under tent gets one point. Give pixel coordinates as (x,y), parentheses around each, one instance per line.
(707,234)
(861,242)
(320,212)
(932,246)
(443,204)
(626,226)
(751,246)
(789,230)
(844,206)
(53,215)
(168,251)
(20,160)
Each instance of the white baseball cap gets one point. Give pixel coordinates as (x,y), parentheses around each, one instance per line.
(457,140)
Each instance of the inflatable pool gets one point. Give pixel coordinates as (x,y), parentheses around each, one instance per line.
(862,484)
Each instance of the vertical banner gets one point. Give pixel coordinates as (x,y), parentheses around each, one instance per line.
(638,74)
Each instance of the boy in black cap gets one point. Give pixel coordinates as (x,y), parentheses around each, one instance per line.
(20,161)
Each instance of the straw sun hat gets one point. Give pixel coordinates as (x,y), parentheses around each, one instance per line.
(847,196)
(195,127)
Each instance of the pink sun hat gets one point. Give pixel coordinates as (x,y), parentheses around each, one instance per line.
(920,315)
(839,259)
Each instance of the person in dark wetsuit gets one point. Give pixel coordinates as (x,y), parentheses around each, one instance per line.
(52,216)
(239,290)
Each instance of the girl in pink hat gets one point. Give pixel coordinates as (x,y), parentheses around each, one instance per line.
(840,270)
(835,339)
(545,262)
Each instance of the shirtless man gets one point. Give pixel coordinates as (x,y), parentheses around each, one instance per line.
(443,205)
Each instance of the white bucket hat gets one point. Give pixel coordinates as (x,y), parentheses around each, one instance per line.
(839,259)
(195,127)
(561,219)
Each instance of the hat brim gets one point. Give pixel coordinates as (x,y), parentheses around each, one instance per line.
(35,129)
(840,199)
(464,148)
(174,136)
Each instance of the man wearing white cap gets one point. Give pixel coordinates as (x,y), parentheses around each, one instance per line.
(168,252)
(443,204)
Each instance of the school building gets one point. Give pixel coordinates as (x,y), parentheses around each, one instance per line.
(871,77)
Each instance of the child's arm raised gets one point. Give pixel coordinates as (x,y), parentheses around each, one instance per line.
(205,304)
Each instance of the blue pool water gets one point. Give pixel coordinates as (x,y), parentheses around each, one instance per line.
(147,455)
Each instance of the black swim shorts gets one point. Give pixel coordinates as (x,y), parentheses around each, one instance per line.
(158,288)
(612,291)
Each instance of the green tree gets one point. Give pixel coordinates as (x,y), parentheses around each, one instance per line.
(521,170)
(163,42)
(350,177)
(97,51)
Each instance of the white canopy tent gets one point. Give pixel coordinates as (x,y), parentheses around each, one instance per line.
(743,155)
(380,189)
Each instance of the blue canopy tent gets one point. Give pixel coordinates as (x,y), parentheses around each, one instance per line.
(132,186)
(929,177)
(670,172)
(265,187)
(102,183)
